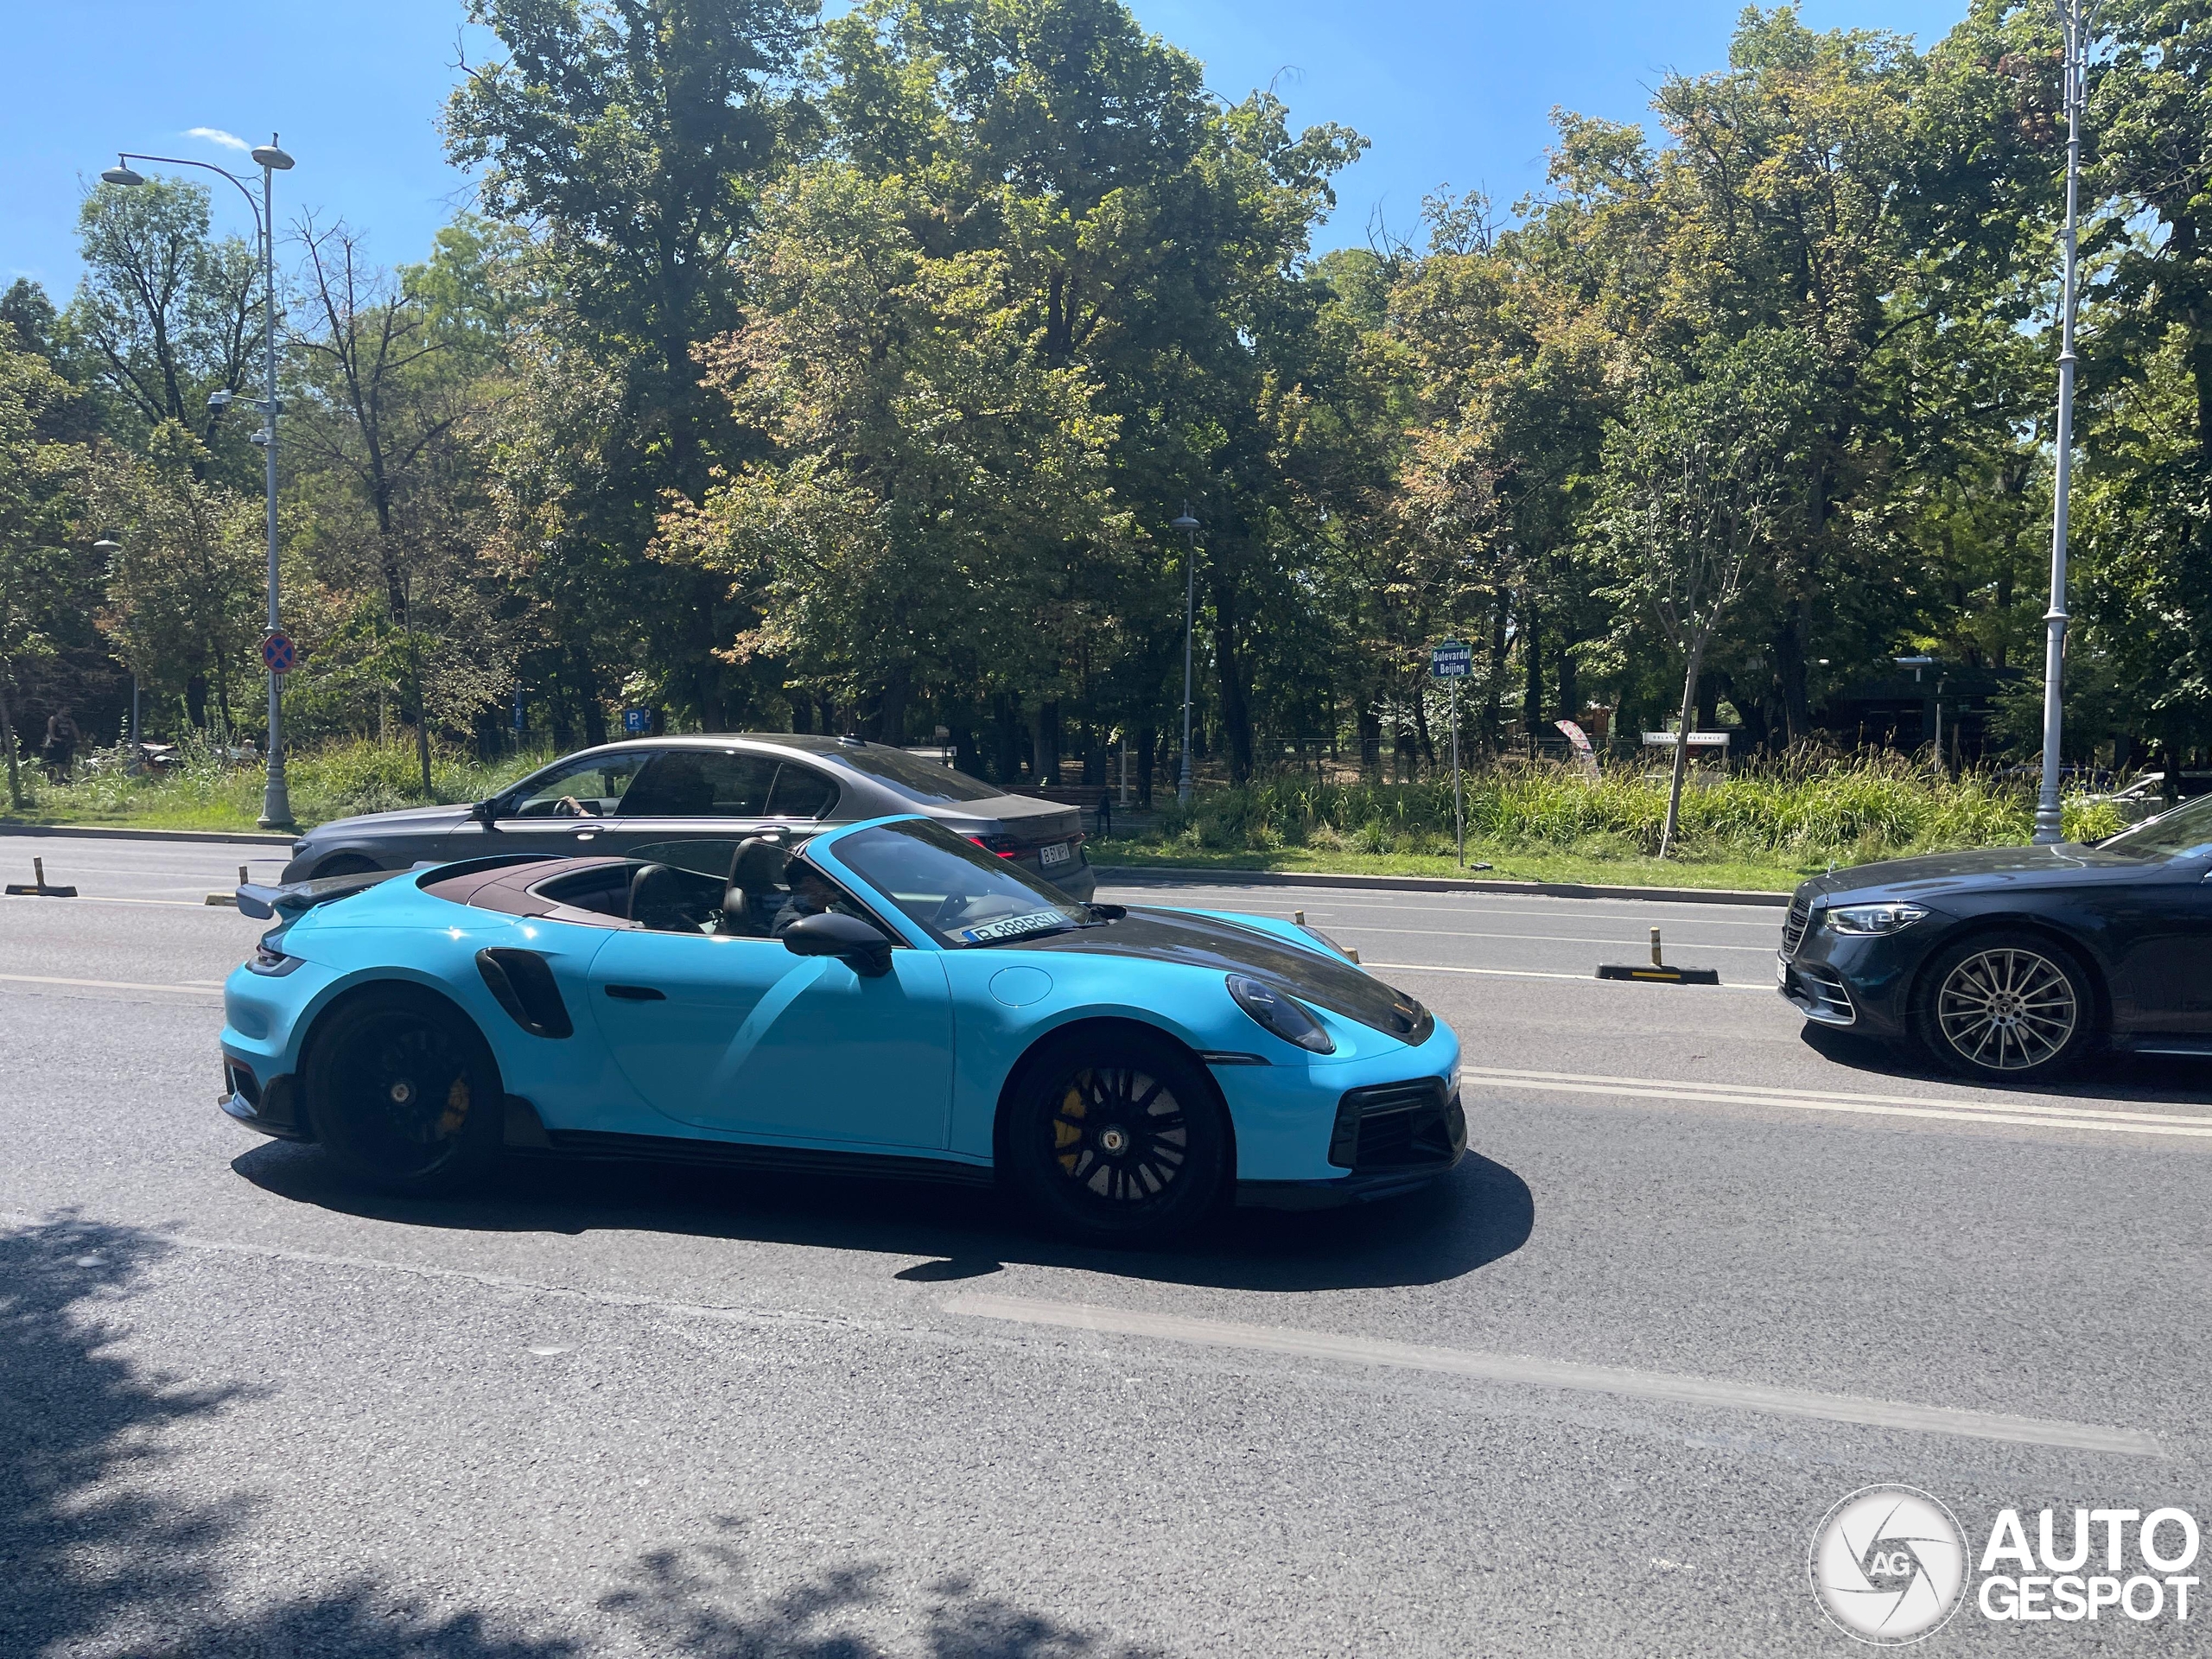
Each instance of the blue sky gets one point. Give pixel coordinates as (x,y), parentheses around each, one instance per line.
(1457,93)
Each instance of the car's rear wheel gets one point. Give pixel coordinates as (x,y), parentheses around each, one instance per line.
(404,1093)
(1116,1138)
(2009,1006)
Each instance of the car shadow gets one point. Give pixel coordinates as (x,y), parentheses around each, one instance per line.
(1480,1212)
(2149,1079)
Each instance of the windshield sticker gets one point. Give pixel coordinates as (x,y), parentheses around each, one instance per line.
(1011,926)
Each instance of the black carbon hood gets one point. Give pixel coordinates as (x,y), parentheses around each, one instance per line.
(1209,942)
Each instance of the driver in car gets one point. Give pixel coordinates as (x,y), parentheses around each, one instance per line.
(811,895)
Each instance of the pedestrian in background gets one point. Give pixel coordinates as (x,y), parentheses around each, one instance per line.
(60,753)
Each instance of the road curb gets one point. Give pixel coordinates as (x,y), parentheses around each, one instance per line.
(241,837)
(1139,875)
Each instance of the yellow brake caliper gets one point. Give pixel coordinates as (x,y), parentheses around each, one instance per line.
(456,1109)
(1066,1134)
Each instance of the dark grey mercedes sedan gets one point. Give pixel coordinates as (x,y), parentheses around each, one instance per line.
(2015,963)
(622,797)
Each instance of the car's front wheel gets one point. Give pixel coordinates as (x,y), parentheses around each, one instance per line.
(1116,1138)
(2011,1006)
(404,1093)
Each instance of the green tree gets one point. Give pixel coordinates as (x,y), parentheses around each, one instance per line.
(633,136)
(40,481)
(1701,475)
(167,314)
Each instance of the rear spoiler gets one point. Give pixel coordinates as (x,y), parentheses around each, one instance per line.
(294,899)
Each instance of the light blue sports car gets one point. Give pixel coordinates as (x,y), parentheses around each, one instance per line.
(892,998)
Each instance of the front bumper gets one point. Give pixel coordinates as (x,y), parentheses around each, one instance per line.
(271,1106)
(1856,983)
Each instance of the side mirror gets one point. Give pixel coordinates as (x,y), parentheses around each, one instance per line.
(856,942)
(484,811)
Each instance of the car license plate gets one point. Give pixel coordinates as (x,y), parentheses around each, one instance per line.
(1781,970)
(1058,852)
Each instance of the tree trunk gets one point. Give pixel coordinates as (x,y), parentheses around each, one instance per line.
(1044,751)
(891,710)
(1532,663)
(1231,673)
(421,715)
(1790,671)
(1682,748)
(587,683)
(1570,693)
(1006,729)
(1493,678)
(1147,760)
(1370,744)
(8,741)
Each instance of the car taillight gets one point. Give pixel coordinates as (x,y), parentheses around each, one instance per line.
(1004,846)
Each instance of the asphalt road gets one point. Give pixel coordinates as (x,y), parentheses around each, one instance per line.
(1701,1276)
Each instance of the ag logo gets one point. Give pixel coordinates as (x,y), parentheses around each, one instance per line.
(1888,1564)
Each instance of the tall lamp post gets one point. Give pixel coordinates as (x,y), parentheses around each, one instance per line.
(2077,19)
(1188,526)
(276,799)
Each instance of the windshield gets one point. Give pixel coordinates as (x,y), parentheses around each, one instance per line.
(956,893)
(916,778)
(2185,832)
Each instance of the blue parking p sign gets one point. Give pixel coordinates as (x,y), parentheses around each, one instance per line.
(1450,660)
(637,721)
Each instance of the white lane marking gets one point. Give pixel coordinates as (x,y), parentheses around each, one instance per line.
(200,989)
(455,1275)
(101,899)
(1559,1374)
(1545,938)
(1963,1111)
(1531,973)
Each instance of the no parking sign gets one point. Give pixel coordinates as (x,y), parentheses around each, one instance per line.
(278,654)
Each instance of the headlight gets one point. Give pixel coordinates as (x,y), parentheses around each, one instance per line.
(1284,1016)
(1874,918)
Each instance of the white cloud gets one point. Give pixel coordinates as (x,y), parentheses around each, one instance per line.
(217,136)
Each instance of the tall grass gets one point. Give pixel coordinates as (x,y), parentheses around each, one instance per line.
(1868,807)
(334,781)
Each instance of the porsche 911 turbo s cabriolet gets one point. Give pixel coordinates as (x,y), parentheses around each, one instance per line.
(891,998)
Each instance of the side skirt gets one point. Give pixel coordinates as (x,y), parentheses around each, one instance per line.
(790,1161)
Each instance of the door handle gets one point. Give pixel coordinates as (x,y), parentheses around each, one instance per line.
(636,994)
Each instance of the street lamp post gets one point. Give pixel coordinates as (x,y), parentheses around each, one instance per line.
(275,799)
(1188,526)
(2077,18)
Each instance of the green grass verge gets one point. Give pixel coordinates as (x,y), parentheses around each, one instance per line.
(1507,864)
(205,793)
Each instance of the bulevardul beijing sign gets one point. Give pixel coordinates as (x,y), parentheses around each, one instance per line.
(1451,660)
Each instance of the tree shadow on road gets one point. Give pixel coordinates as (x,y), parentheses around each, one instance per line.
(102,1556)
(99,1557)
(2146,1079)
(1480,1212)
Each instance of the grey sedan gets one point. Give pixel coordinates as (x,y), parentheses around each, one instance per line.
(625,798)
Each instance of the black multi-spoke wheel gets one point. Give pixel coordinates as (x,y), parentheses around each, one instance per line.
(404,1093)
(1117,1137)
(2010,1007)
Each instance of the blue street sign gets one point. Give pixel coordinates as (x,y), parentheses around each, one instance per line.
(637,721)
(1451,661)
(278,654)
